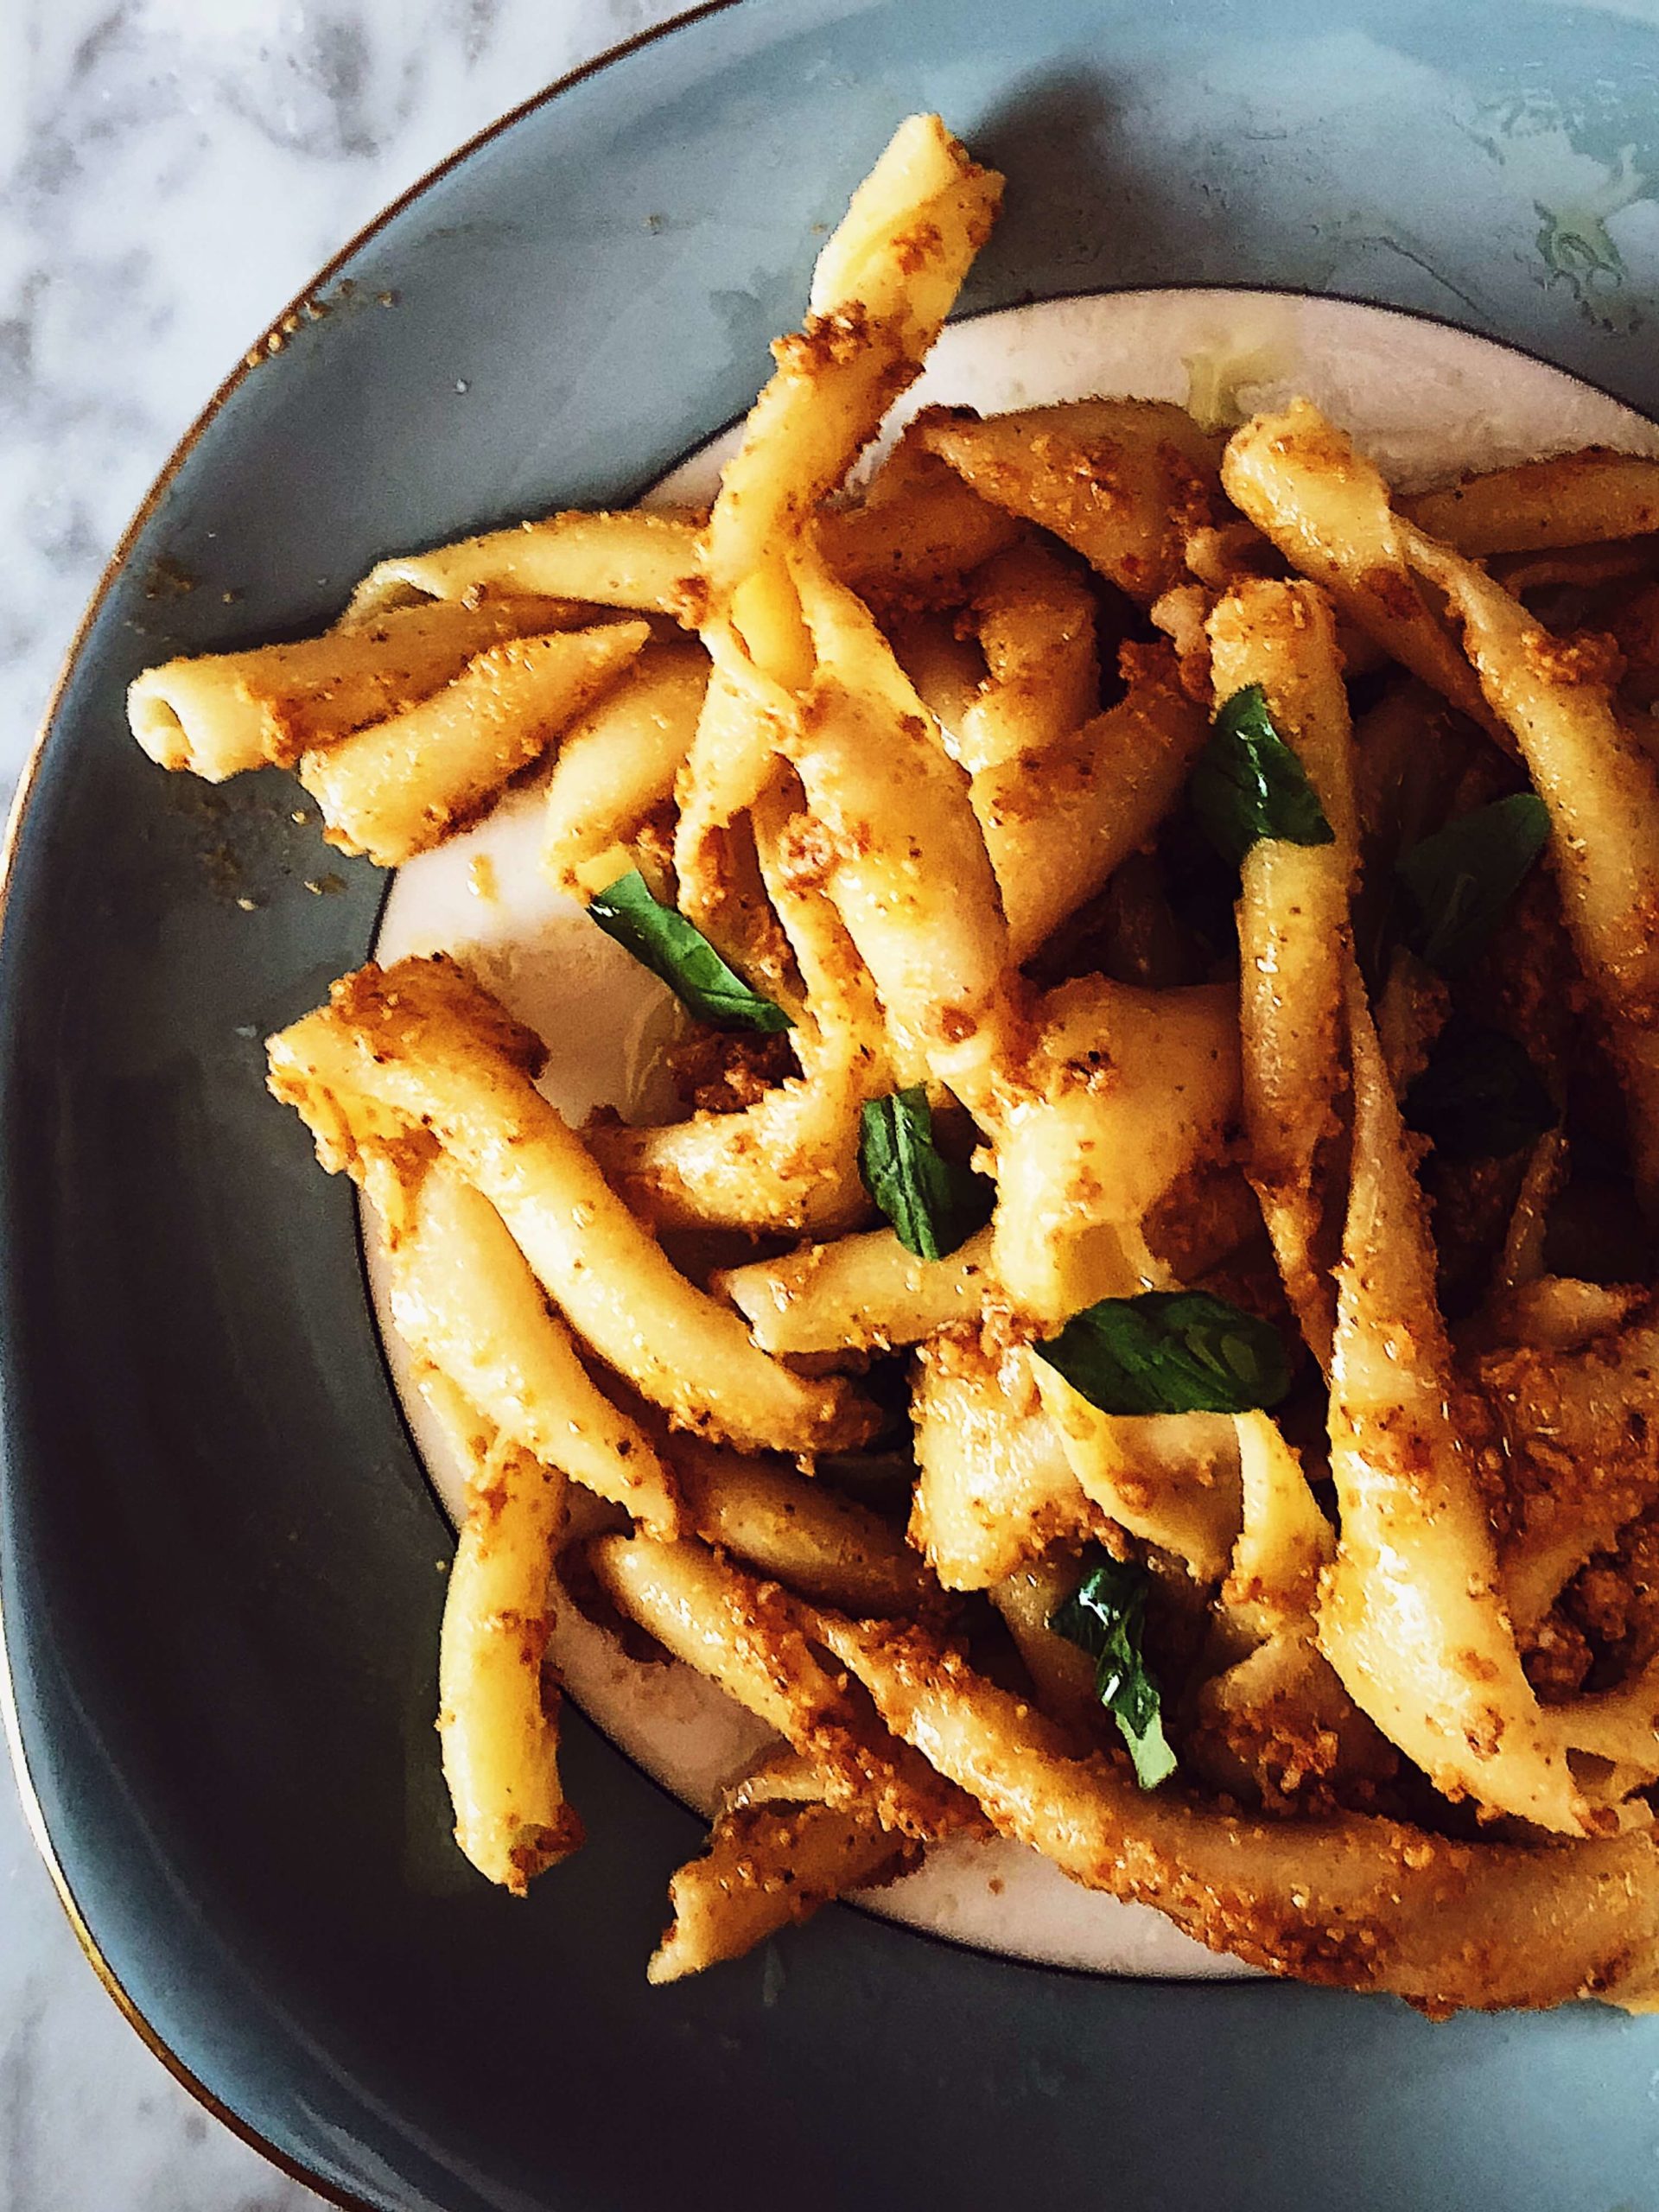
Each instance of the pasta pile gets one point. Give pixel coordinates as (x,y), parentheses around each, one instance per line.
(1142,1340)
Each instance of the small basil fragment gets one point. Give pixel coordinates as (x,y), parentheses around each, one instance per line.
(934,1204)
(1171,1352)
(1104,1616)
(1479,1097)
(663,940)
(1246,783)
(1457,882)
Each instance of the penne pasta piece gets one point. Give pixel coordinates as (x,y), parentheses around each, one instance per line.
(1326,508)
(859,1293)
(617,762)
(403,785)
(1410,1614)
(1171,1479)
(1035,620)
(1572,499)
(1355,1902)
(422,1042)
(916,534)
(1122,480)
(464,1299)
(994,1486)
(1123,1091)
(946,668)
(1056,826)
(803,1533)
(756,1642)
(649,564)
(218,714)
(1620,1725)
(1294,932)
(1284,1542)
(1602,789)
(498,1717)
(771,1866)
(1063,1672)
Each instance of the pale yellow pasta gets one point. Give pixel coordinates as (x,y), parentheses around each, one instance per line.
(1171,1479)
(1035,621)
(1326,508)
(916,534)
(766,1867)
(498,1721)
(1124,1091)
(218,714)
(618,761)
(1122,480)
(805,1534)
(946,668)
(1620,1725)
(1056,826)
(994,1485)
(1063,1672)
(1411,1615)
(863,1293)
(424,1041)
(649,563)
(1360,1903)
(402,787)
(1293,929)
(1284,1542)
(840,1014)
(1602,789)
(752,1639)
(464,1299)
(1572,499)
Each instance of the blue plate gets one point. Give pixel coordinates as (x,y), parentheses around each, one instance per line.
(222,1579)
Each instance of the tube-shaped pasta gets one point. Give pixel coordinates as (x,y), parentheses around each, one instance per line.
(1354,1902)
(1574,498)
(1294,928)
(862,1293)
(426,1042)
(1120,479)
(1410,1615)
(1124,1090)
(463,1297)
(648,562)
(217,714)
(394,790)
(1326,508)
(994,1486)
(1035,618)
(1063,1672)
(752,1640)
(619,761)
(1602,789)
(804,1535)
(497,1720)
(919,530)
(1170,1479)
(1285,1540)
(1057,825)
(766,1867)
(896,826)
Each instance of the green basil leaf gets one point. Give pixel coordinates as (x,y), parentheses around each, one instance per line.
(1171,1352)
(1104,1616)
(1246,783)
(1479,1097)
(1458,882)
(663,940)
(934,1204)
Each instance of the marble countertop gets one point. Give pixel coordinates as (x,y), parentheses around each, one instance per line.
(171,173)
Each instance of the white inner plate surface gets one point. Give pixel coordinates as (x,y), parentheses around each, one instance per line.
(1428,402)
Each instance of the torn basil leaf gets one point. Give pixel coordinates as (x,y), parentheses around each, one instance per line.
(1170,1351)
(1457,882)
(1247,783)
(934,1204)
(663,940)
(1104,1616)
(1479,1097)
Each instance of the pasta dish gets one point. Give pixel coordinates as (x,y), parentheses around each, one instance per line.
(1141,1337)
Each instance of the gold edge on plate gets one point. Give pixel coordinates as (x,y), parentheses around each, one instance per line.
(254,357)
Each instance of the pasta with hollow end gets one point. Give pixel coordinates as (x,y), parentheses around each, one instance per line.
(1137,1333)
